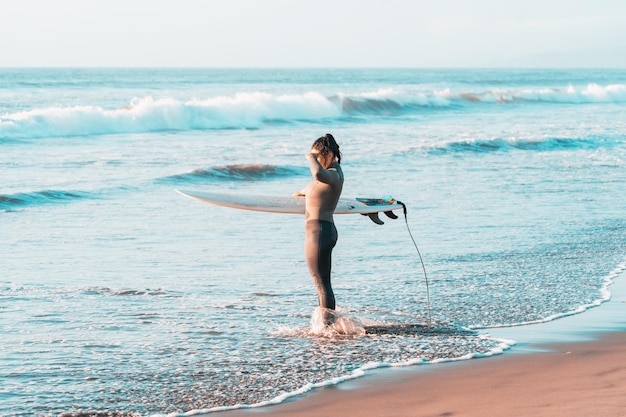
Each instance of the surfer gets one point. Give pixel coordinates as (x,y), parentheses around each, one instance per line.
(321,196)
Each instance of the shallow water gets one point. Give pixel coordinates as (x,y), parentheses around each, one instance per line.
(119,295)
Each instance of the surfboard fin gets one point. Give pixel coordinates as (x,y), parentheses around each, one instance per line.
(374,217)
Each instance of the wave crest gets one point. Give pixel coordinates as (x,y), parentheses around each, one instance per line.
(244,110)
(253,109)
(390,102)
(502,145)
(11,201)
(238,172)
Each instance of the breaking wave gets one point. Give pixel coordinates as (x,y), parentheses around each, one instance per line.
(254,109)
(389,101)
(244,110)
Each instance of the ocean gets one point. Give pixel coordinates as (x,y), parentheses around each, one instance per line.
(120,296)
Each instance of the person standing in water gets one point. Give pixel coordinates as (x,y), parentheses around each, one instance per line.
(321,196)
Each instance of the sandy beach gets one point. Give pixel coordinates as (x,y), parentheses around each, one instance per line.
(572,379)
(584,374)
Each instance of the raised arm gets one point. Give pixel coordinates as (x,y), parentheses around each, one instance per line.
(327,176)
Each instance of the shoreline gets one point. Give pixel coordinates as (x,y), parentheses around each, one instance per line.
(571,379)
(572,366)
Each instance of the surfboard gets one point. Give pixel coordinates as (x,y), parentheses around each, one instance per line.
(295,205)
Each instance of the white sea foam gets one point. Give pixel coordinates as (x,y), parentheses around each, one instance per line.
(591,93)
(605,295)
(501,345)
(147,114)
(343,323)
(254,109)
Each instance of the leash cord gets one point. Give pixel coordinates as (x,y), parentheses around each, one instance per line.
(430,322)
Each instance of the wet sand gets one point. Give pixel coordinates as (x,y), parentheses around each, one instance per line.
(583,373)
(572,379)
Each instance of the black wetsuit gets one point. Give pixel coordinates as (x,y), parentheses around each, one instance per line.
(320,239)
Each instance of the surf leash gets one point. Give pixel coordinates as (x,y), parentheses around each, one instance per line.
(374,217)
(406,221)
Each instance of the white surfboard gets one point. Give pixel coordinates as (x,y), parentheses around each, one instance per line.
(295,205)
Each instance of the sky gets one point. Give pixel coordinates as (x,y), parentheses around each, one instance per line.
(313,33)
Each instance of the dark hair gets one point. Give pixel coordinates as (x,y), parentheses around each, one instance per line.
(326,144)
